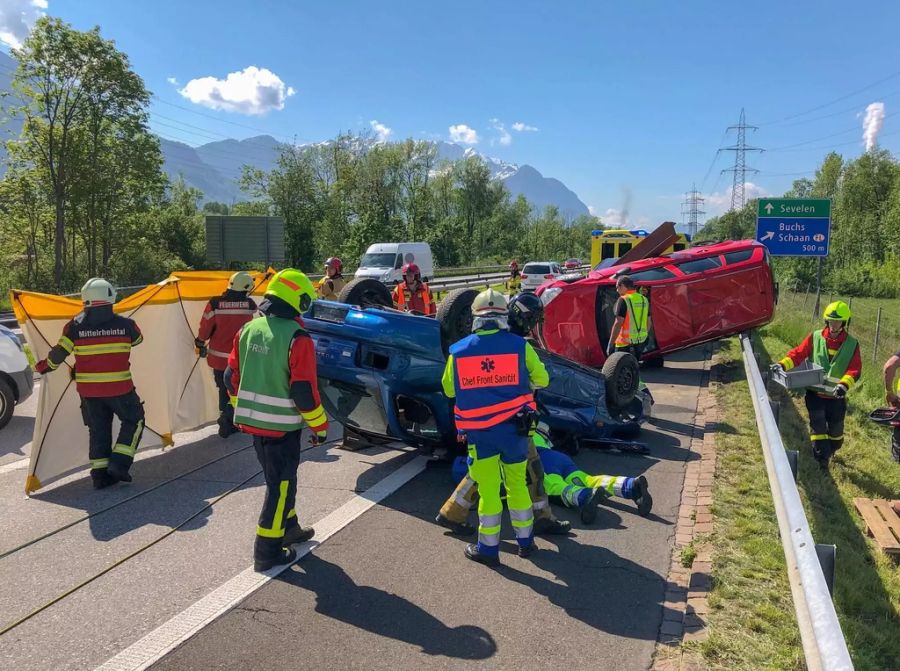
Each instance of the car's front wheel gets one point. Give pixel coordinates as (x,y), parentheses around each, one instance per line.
(7,402)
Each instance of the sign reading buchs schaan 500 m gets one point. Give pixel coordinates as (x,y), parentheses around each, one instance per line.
(794,226)
(244,239)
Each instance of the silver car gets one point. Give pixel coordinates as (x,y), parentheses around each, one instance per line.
(535,273)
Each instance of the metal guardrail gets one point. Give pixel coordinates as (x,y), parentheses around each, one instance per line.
(823,641)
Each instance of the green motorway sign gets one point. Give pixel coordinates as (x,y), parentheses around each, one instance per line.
(795,208)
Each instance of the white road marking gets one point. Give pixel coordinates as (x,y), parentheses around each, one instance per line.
(162,640)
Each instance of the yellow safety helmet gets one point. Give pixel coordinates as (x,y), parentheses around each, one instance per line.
(489,303)
(293,287)
(97,291)
(240,281)
(837,311)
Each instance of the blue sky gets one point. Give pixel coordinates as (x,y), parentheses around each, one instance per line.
(630,99)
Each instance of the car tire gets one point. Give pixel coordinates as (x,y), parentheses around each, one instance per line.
(655,362)
(622,379)
(7,402)
(454,314)
(366,293)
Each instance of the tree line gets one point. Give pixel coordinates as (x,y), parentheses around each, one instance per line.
(84,192)
(864,252)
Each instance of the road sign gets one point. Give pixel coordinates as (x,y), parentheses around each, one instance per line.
(794,226)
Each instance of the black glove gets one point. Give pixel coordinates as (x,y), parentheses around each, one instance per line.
(840,391)
(776,368)
(200,347)
(318,437)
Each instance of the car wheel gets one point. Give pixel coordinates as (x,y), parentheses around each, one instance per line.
(7,403)
(622,379)
(366,293)
(655,362)
(454,314)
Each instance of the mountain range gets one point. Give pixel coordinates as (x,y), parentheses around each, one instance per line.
(214,168)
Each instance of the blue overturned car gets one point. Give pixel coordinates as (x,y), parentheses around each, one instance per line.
(380,376)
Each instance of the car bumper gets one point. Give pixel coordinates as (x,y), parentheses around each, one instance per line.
(24,381)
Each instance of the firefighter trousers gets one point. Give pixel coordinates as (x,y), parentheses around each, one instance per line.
(98,414)
(826,424)
(279,458)
(226,410)
(465,496)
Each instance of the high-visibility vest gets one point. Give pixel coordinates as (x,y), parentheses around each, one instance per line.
(490,379)
(834,367)
(403,296)
(637,313)
(264,398)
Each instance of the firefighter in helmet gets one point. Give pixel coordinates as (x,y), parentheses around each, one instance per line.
(492,374)
(329,287)
(837,352)
(101,342)
(412,294)
(271,377)
(222,318)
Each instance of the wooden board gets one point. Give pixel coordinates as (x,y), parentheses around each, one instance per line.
(882,521)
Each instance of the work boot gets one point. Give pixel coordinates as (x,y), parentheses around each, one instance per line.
(118,473)
(526,550)
(102,480)
(297,534)
(589,509)
(475,555)
(226,427)
(821,456)
(550,526)
(640,494)
(456,528)
(286,556)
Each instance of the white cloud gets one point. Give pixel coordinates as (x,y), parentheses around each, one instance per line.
(16,19)
(382,132)
(720,201)
(172,81)
(504,136)
(872,124)
(520,127)
(463,134)
(253,90)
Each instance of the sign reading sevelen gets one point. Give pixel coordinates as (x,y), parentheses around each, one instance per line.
(794,226)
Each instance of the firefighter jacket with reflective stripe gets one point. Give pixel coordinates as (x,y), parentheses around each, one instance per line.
(417,299)
(830,350)
(270,355)
(634,328)
(490,379)
(102,350)
(223,317)
(329,288)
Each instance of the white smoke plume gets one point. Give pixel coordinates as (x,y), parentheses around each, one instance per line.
(872,124)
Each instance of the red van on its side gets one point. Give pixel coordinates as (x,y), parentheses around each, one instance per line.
(696,295)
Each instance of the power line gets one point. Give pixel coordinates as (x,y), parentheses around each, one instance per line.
(740,168)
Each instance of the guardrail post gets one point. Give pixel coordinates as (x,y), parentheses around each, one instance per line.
(794,460)
(776,411)
(827,555)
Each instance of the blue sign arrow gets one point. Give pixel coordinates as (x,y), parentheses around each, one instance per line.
(794,237)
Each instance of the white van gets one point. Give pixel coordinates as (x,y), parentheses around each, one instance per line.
(383,261)
(16,376)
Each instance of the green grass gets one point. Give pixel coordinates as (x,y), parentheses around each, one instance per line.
(751,621)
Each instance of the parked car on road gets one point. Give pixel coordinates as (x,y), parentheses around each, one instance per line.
(535,273)
(696,295)
(380,376)
(573,264)
(16,376)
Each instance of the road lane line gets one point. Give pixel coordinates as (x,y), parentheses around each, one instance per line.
(165,638)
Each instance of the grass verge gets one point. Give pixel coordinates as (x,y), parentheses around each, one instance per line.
(751,620)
